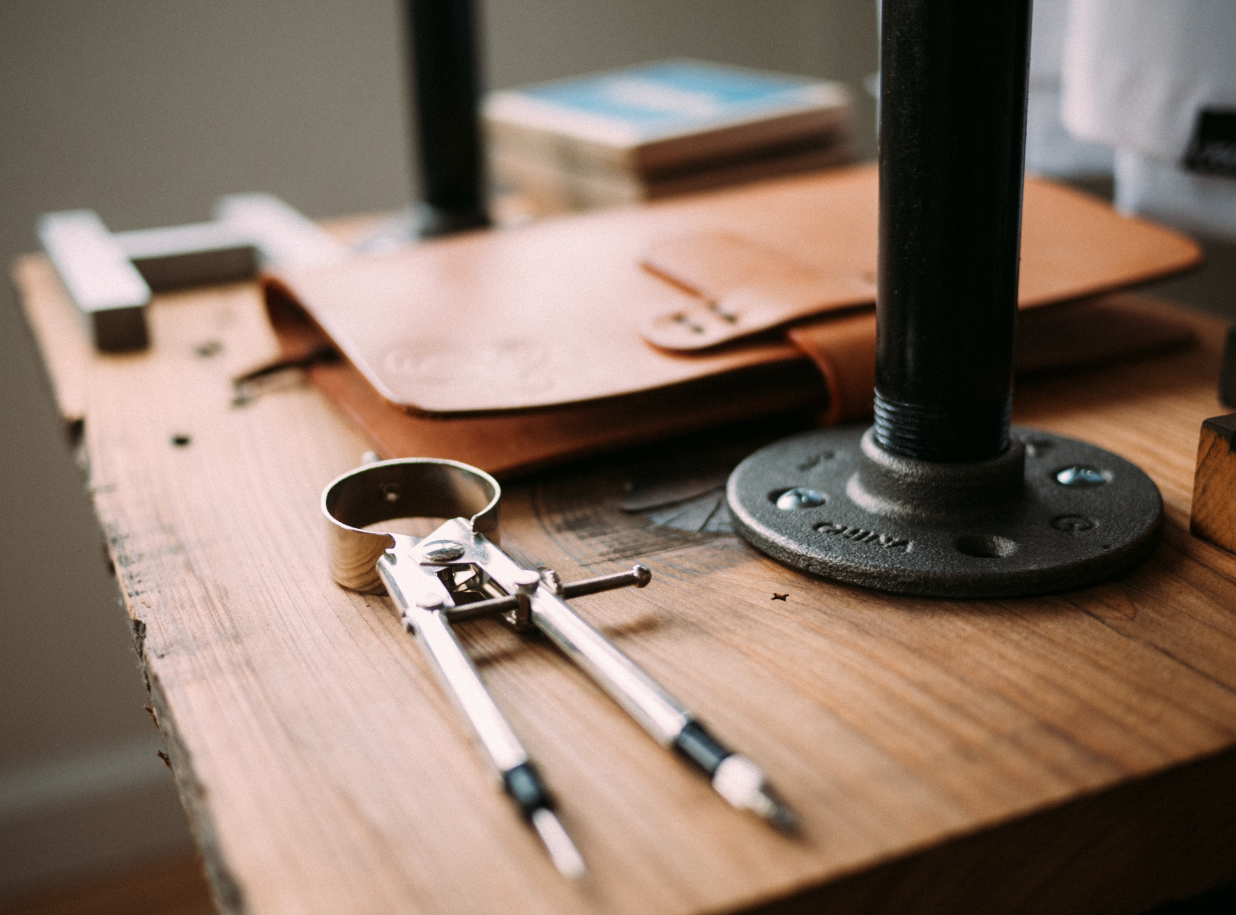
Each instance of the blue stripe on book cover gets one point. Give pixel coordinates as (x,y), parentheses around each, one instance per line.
(657,96)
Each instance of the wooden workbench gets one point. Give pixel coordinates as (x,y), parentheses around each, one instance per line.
(1069,753)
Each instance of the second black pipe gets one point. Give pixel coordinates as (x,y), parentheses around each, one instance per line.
(447,134)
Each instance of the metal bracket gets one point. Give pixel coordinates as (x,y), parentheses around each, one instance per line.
(111,275)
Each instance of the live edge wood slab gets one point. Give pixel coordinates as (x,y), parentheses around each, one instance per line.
(1069,753)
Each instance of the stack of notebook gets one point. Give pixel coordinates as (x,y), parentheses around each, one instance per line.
(660,129)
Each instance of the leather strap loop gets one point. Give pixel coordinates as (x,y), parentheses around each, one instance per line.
(741,289)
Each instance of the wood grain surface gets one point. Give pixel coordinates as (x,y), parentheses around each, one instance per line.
(1075,752)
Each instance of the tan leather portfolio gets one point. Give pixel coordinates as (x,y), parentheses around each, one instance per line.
(513,349)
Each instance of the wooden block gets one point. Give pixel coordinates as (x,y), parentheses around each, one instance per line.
(1213,516)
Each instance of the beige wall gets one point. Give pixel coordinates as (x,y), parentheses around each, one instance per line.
(146,111)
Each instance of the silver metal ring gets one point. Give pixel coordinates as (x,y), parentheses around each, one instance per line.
(403,488)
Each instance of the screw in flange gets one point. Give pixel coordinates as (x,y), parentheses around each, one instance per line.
(799,497)
(1081,476)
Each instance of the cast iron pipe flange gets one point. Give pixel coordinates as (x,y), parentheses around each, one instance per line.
(1051,513)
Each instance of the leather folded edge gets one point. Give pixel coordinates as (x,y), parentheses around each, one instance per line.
(843,348)
(509,443)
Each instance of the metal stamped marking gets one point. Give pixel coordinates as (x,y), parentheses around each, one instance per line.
(1073,524)
(863,535)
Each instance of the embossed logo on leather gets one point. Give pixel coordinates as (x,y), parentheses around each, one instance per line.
(521,366)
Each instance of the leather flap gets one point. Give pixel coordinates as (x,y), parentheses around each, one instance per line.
(741,288)
(1072,245)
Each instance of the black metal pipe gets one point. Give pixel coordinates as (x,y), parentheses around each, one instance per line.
(446,132)
(952,142)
